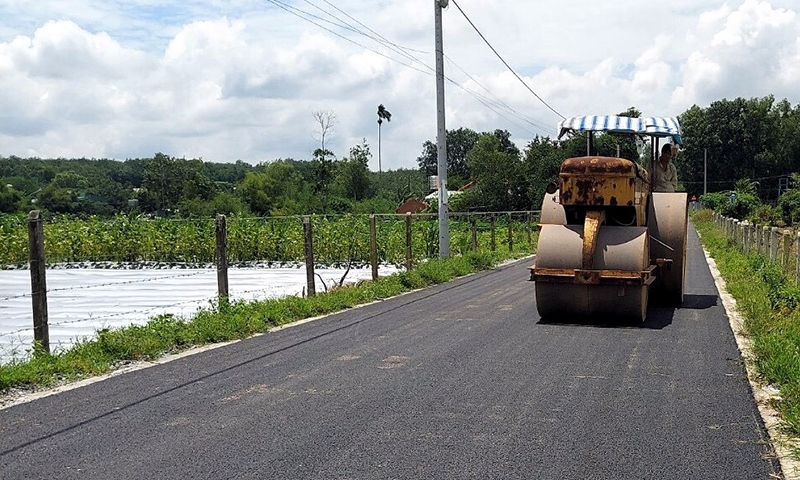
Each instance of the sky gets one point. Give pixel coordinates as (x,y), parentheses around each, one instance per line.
(242,79)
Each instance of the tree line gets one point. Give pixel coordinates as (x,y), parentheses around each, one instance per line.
(755,139)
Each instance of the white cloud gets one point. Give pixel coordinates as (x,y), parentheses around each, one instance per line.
(750,54)
(239,80)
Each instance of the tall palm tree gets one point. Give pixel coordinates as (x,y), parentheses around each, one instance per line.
(382,113)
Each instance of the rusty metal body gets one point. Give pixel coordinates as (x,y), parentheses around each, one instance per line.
(594,254)
(615,185)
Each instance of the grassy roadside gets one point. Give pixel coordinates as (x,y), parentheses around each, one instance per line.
(769,301)
(167,334)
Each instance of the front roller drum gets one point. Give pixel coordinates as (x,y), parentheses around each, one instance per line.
(565,301)
(618,248)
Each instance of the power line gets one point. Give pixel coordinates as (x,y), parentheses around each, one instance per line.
(376,37)
(291,9)
(371,30)
(498,101)
(386,42)
(504,62)
(380,39)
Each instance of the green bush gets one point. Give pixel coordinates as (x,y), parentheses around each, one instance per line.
(714,201)
(732,204)
(766,215)
(789,206)
(741,205)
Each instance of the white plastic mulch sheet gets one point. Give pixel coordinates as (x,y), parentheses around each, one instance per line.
(81,301)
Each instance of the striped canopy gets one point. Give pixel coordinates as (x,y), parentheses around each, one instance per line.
(650,126)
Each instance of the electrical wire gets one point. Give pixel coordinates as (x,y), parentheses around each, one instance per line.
(505,63)
(498,101)
(477,96)
(291,9)
(371,30)
(386,42)
(493,105)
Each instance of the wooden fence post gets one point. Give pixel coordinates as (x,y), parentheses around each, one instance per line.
(742,228)
(493,242)
(773,244)
(746,236)
(528,230)
(41,332)
(473,226)
(309,246)
(787,249)
(373,246)
(408,241)
(797,258)
(221,258)
(510,234)
(758,233)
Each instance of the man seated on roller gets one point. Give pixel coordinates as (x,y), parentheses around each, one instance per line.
(665,175)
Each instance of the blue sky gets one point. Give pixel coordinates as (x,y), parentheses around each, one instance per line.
(240,79)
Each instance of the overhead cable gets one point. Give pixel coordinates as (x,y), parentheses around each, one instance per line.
(492,105)
(506,63)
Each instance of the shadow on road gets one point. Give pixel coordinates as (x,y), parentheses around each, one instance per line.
(659,315)
(657,318)
(700,302)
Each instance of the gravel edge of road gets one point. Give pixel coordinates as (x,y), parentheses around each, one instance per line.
(762,394)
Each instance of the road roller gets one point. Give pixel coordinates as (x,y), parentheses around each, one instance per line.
(607,243)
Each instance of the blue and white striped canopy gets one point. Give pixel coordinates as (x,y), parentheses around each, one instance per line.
(651,126)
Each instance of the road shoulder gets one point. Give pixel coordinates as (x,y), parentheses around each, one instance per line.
(764,395)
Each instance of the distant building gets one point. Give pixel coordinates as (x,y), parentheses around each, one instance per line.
(412,205)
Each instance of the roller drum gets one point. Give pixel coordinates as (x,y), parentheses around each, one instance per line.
(667,218)
(618,248)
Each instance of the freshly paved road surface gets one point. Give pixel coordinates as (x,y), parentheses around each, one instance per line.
(457,381)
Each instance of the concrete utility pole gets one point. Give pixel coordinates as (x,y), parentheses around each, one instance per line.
(705,171)
(441,135)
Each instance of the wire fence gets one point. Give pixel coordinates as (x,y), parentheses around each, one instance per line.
(111,273)
(144,242)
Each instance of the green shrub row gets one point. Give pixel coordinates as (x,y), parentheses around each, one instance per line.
(270,239)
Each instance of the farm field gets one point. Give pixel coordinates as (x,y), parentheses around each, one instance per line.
(83,300)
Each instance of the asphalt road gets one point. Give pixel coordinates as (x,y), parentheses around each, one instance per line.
(458,381)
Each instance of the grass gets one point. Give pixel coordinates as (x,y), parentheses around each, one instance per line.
(167,334)
(769,301)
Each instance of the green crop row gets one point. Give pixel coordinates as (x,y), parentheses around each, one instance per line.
(272,239)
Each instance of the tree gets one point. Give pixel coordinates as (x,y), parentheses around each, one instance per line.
(353,173)
(459,143)
(327,122)
(70,179)
(323,174)
(10,199)
(742,138)
(622,145)
(542,160)
(499,175)
(505,144)
(169,180)
(272,191)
